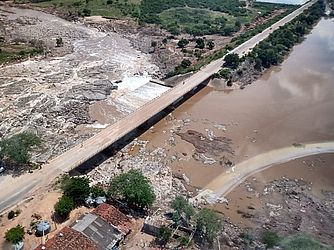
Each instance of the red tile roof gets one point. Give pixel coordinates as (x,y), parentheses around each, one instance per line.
(115,217)
(71,240)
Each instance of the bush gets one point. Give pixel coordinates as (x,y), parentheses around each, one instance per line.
(15,234)
(182,210)
(134,188)
(270,238)
(11,215)
(64,206)
(200,43)
(184,241)
(208,224)
(164,234)
(185,63)
(97,192)
(182,43)
(77,188)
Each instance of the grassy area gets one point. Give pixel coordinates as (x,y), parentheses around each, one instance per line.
(195,21)
(16,52)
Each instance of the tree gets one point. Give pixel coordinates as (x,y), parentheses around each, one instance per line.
(182,210)
(64,206)
(270,238)
(183,43)
(15,234)
(200,43)
(77,188)
(208,224)
(211,45)
(185,63)
(134,188)
(232,61)
(164,234)
(154,43)
(19,146)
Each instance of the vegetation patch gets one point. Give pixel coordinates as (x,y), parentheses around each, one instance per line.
(303,242)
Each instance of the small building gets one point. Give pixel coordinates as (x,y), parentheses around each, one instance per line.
(114,217)
(104,228)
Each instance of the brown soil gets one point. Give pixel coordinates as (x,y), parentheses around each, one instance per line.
(288,198)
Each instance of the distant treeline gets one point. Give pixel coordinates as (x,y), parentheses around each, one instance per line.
(272,50)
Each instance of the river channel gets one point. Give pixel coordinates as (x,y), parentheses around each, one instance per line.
(291,104)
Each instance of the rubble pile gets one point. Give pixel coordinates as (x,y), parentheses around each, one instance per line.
(153,164)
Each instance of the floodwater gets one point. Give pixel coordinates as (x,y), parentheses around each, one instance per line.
(292,103)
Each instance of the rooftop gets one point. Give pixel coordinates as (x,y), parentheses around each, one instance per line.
(68,239)
(115,217)
(98,230)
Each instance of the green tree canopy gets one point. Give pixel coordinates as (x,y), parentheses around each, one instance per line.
(15,234)
(64,206)
(182,43)
(77,188)
(19,146)
(134,188)
(232,61)
(208,224)
(182,210)
(200,43)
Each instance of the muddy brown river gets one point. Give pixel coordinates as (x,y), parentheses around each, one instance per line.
(291,104)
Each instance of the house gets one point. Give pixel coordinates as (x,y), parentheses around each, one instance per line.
(68,239)
(104,228)
(115,217)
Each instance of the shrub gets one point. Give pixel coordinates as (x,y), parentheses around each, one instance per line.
(97,191)
(182,43)
(208,224)
(164,234)
(11,215)
(77,188)
(15,234)
(64,206)
(270,238)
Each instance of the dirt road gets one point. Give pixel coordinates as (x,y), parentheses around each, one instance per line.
(15,190)
(225,182)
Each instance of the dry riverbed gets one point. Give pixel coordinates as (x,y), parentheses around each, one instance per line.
(56,94)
